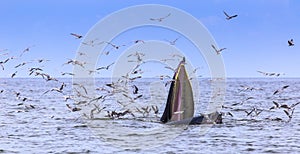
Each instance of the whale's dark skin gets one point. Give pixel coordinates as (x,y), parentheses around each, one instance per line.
(203,120)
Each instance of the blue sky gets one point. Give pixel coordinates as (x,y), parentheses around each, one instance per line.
(255,40)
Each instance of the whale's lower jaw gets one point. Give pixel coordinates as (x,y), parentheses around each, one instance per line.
(212,118)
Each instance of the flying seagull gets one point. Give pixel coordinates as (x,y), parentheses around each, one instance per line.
(26,50)
(228,17)
(218,51)
(161,18)
(76,35)
(291,42)
(173,42)
(105,67)
(280,90)
(14,74)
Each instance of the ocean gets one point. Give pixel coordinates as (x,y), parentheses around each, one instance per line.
(32,121)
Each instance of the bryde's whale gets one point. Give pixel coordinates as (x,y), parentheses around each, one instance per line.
(180,103)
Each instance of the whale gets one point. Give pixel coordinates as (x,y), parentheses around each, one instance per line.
(179,107)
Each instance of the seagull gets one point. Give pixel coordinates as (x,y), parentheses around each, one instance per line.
(42,60)
(277,105)
(135,89)
(45,76)
(290,115)
(81,54)
(136,77)
(291,42)
(67,97)
(3,62)
(161,18)
(270,74)
(76,35)
(162,77)
(17,94)
(137,71)
(227,113)
(21,64)
(248,113)
(138,41)
(293,105)
(75,62)
(105,67)
(166,59)
(60,89)
(155,109)
(92,43)
(218,51)
(264,73)
(81,86)
(174,41)
(34,69)
(67,73)
(255,110)
(91,71)
(4,54)
(14,74)
(245,88)
(73,109)
(24,99)
(280,90)
(115,46)
(26,50)
(228,17)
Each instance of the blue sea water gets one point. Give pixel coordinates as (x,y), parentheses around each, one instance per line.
(44,124)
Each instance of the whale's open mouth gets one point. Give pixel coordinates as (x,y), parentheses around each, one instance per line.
(180,103)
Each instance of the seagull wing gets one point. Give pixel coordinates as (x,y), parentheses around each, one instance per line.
(100,68)
(167,15)
(222,49)
(226,14)
(45,92)
(284,87)
(277,91)
(110,65)
(287,113)
(276,104)
(214,48)
(85,90)
(293,105)
(234,16)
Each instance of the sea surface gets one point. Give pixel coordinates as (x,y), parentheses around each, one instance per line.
(42,123)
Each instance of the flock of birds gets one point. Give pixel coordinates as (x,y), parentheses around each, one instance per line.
(121,86)
(255,111)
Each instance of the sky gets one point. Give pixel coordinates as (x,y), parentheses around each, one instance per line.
(255,40)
